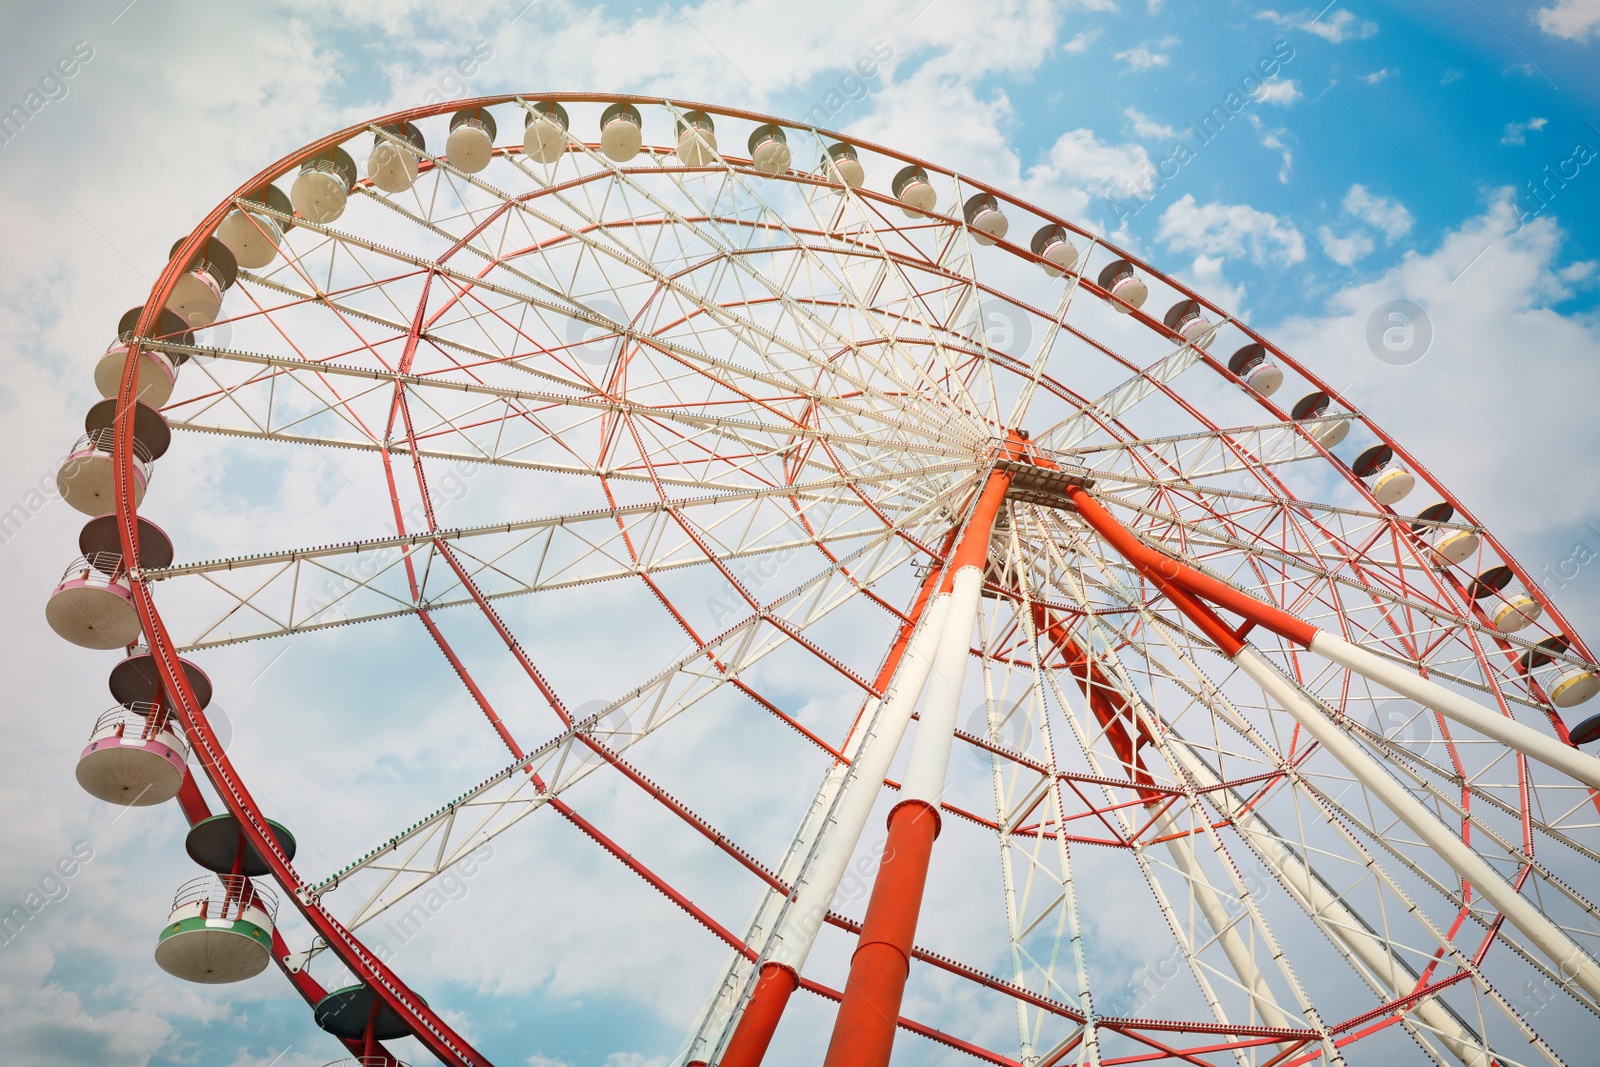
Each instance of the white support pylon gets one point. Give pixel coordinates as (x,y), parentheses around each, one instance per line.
(1571,961)
(819,855)
(871,756)
(1209,901)
(1316,899)
(929,763)
(1462,709)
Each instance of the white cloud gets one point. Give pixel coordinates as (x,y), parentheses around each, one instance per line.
(1503,304)
(1147,127)
(634,1059)
(1206,275)
(1337,28)
(1273,139)
(1079,44)
(1347,249)
(1380,75)
(1517,132)
(1081,158)
(280,95)
(1573,20)
(1381,213)
(1229,229)
(1340,27)
(1280,91)
(540,1060)
(1451,76)
(1145,56)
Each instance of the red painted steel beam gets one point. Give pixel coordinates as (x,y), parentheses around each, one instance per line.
(776,983)
(863,1032)
(195,809)
(1185,586)
(921,1030)
(430,1028)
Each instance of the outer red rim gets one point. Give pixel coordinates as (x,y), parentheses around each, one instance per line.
(430,1029)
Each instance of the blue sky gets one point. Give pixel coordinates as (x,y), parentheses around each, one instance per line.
(1391,158)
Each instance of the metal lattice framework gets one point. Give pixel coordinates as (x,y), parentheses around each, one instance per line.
(777,403)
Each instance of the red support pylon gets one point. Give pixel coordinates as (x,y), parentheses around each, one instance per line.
(863,1032)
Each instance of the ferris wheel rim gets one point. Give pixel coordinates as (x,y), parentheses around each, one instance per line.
(161,645)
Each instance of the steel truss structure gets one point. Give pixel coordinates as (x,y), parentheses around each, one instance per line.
(1240,768)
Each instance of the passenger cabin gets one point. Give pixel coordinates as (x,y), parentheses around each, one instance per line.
(470,145)
(87,479)
(1188,320)
(544,133)
(1508,612)
(697,139)
(1389,482)
(196,296)
(322,188)
(621,132)
(396,156)
(253,236)
(769,149)
(983,215)
(1054,245)
(136,754)
(843,165)
(1315,406)
(93,605)
(135,757)
(914,191)
(354,1013)
(1253,367)
(1128,291)
(1565,684)
(220,925)
(158,371)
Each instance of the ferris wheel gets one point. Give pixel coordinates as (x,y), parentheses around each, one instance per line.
(918,505)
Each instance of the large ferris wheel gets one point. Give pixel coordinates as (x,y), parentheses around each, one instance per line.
(935,510)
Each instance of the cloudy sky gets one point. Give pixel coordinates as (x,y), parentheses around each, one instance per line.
(1445,153)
